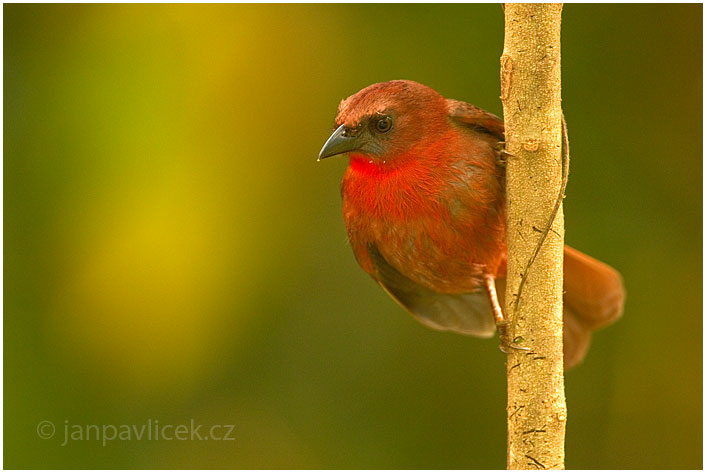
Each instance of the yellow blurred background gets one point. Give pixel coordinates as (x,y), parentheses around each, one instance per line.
(173,251)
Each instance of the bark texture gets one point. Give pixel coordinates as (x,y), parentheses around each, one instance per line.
(531,94)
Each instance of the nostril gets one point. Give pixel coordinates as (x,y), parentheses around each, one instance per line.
(351,131)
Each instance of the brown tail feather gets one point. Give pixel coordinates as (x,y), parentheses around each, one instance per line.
(594,291)
(575,338)
(594,298)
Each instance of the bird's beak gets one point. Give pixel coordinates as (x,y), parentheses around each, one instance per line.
(339,142)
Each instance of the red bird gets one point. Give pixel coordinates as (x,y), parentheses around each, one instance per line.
(425,210)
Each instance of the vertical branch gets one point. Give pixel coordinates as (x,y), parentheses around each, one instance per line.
(530,90)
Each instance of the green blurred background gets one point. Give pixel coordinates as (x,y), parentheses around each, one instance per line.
(173,251)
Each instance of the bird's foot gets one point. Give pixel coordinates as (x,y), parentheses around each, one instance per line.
(502,154)
(507,345)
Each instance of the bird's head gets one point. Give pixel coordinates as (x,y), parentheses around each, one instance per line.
(382,122)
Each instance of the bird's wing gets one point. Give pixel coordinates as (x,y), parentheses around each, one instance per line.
(468,313)
(473,117)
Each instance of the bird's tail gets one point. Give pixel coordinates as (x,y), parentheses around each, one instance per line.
(593,298)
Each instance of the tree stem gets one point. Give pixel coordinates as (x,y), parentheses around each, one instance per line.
(531,94)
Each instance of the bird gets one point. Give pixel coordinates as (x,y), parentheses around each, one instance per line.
(424,206)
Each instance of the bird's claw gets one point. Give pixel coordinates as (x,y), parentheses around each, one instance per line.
(507,346)
(502,156)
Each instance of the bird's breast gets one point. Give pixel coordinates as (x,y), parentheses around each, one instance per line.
(427,223)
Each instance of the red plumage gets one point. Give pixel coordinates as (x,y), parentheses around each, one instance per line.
(424,208)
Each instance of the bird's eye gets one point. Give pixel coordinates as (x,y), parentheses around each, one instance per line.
(384,123)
